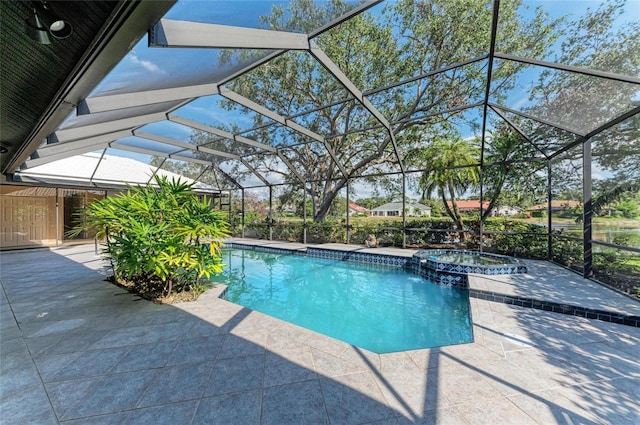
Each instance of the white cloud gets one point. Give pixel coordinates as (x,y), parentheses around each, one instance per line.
(148,65)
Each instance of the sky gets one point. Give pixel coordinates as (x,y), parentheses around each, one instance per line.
(149,67)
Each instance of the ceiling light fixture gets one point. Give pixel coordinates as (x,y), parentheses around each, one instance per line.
(44,22)
(58,27)
(36,29)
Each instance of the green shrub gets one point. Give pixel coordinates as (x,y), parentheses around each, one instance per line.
(567,252)
(325,232)
(163,238)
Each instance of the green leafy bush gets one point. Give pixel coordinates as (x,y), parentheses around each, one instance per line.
(159,240)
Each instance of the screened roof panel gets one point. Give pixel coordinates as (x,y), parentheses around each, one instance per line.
(143,158)
(452,89)
(272,169)
(545,137)
(190,170)
(401,45)
(312,157)
(506,140)
(573,101)
(200,157)
(373,142)
(218,112)
(600,41)
(167,129)
(218,178)
(277,136)
(222,114)
(249,177)
(223,144)
(154,69)
(616,151)
(338,119)
(290,84)
(253,13)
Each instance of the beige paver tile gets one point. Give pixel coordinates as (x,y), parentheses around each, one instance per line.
(551,407)
(447,416)
(354,398)
(496,411)
(614,401)
(288,366)
(412,394)
(332,365)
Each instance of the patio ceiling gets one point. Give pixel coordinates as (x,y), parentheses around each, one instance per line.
(127,115)
(42,83)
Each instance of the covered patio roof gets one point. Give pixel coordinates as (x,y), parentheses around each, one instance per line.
(157,111)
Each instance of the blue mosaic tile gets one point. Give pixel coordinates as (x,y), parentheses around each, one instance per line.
(589,313)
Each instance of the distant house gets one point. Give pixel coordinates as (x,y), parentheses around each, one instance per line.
(394,209)
(355,209)
(472,205)
(506,210)
(469,205)
(557,205)
(289,209)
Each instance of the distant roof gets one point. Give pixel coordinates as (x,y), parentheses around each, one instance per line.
(357,208)
(470,204)
(90,171)
(558,203)
(396,206)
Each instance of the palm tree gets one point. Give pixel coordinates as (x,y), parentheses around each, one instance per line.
(504,149)
(451,168)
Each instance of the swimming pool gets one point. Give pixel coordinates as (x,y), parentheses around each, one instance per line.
(452,267)
(381,309)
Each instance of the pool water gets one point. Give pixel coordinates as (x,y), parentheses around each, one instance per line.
(380,309)
(462,258)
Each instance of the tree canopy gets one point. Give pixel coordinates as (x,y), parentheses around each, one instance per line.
(421,66)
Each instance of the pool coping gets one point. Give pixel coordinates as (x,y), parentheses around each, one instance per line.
(359,255)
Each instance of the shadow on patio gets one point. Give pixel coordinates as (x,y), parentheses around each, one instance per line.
(76,349)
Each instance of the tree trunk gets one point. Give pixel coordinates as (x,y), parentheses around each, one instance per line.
(456,213)
(321,211)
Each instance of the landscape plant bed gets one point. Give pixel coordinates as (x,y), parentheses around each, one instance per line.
(155,291)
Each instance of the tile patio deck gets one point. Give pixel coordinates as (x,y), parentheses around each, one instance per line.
(75,349)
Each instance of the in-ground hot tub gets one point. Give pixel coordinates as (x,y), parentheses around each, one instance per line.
(451,267)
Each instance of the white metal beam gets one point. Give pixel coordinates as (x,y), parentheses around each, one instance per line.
(77,149)
(95,104)
(218,132)
(56,151)
(91,130)
(184,145)
(57,148)
(171,33)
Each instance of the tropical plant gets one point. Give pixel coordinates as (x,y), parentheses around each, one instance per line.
(164,237)
(505,177)
(451,169)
